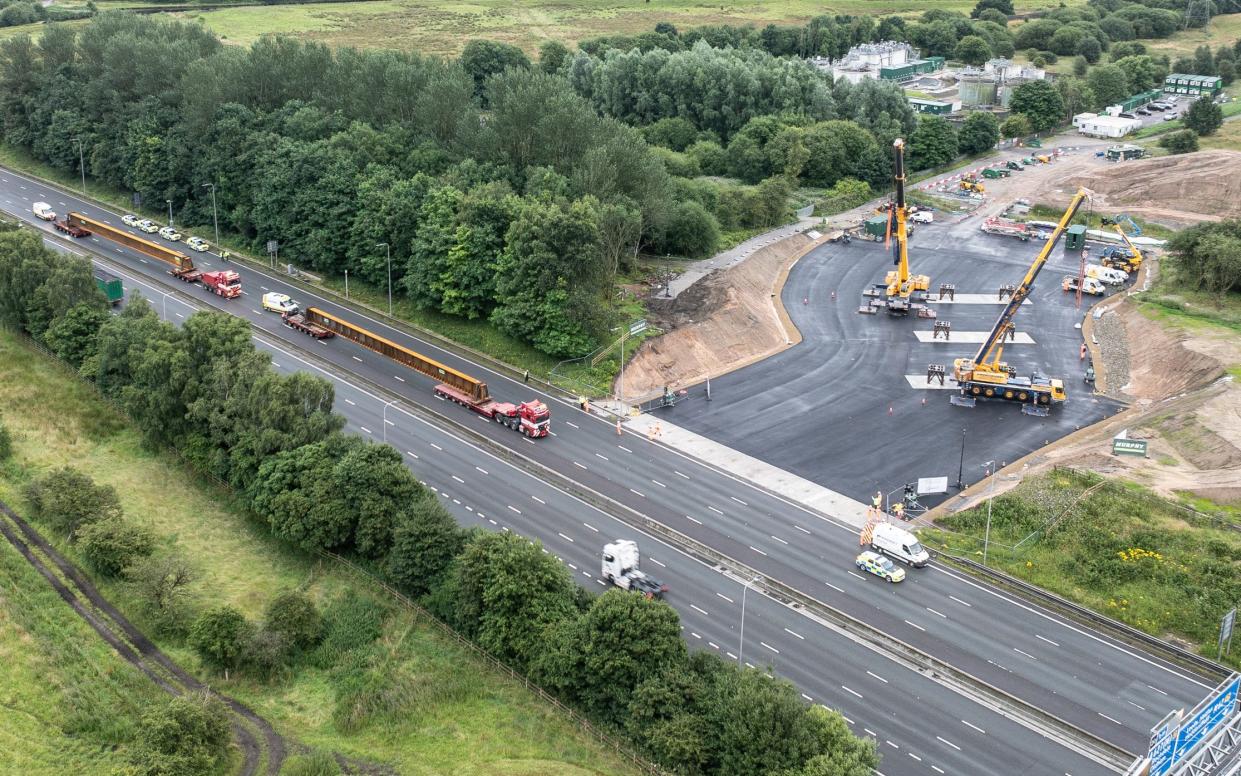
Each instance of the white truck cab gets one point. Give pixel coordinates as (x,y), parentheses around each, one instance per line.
(620,567)
(898,543)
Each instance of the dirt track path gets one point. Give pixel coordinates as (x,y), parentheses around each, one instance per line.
(134,647)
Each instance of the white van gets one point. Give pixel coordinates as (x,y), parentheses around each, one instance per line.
(44,211)
(1109,275)
(898,543)
(922,217)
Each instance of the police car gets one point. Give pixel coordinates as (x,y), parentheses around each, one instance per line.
(874,563)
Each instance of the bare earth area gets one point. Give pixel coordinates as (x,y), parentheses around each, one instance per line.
(1182,190)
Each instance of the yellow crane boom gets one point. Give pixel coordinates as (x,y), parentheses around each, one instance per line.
(900,289)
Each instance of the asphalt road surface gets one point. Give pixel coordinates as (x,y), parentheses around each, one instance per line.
(1090,681)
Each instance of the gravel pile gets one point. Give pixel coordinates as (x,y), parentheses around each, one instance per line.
(1114,346)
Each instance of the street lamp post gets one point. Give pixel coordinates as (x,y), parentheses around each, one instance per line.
(214,218)
(82,164)
(741,645)
(386,406)
(388,253)
(961,467)
(986,541)
(346,284)
(169,201)
(165,305)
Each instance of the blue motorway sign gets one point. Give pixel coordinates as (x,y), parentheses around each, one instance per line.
(1171,742)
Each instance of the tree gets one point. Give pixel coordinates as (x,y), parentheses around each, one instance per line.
(552,56)
(187,736)
(690,231)
(1110,84)
(933,143)
(1080,65)
(1089,49)
(1204,116)
(424,543)
(1003,6)
(1141,71)
(1207,257)
(1183,142)
(294,616)
(111,545)
(1016,125)
(1076,94)
(847,755)
(482,59)
(972,50)
(67,500)
(162,586)
(1039,102)
(73,337)
(219,637)
(980,132)
(1226,69)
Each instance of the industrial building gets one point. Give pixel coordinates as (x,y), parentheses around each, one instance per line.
(933,107)
(994,83)
(1094,125)
(911,69)
(1181,83)
(889,60)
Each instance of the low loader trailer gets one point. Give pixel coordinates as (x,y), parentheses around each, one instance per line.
(299,322)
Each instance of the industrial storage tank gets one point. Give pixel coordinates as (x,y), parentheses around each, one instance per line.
(976,88)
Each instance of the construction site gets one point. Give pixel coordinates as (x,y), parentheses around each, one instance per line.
(881,349)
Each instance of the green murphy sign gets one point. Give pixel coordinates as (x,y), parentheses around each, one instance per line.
(1129,447)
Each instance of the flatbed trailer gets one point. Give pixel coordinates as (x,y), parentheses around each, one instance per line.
(299,322)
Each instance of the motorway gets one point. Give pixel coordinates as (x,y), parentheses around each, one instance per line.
(1090,681)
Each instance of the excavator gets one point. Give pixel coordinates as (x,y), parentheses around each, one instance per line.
(985,376)
(1113,255)
(900,291)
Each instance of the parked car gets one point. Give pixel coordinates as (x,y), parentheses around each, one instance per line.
(168,233)
(1128,116)
(1173,116)
(129,219)
(148,226)
(44,211)
(1143,112)
(279,303)
(197,243)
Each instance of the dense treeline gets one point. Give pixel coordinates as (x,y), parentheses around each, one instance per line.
(1207,257)
(204,389)
(17,12)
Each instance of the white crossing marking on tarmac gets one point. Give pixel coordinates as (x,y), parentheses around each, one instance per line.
(398,377)
(1109,719)
(807,697)
(351,402)
(541,501)
(777,538)
(1131,703)
(713,645)
(739,501)
(626,449)
(479,468)
(833,587)
(390,423)
(575,463)
(458,479)
(760,552)
(859,576)
(677,473)
(515,509)
(1156,689)
(601,455)
(412,454)
(937,769)
(973,299)
(920,382)
(916,757)
(660,484)
(1027,654)
(970,338)
(571,423)
(562,536)
(355,358)
(713,509)
(1044,638)
(437,447)
(637,492)
(798,527)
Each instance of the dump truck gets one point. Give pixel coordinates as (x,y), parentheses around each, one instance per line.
(1089,285)
(995,172)
(620,568)
(1006,228)
(110,285)
(226,284)
(298,322)
(530,418)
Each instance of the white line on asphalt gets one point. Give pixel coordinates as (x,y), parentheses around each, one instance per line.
(469,508)
(941,614)
(1027,654)
(937,769)
(807,697)
(889,743)
(833,587)
(795,633)
(692,520)
(949,743)
(695,635)
(562,536)
(515,509)
(637,492)
(777,538)
(437,447)
(958,600)
(481,469)
(660,484)
(970,724)
(601,455)
(575,463)
(351,402)
(869,732)
(179,315)
(493,522)
(713,509)
(364,428)
(541,501)
(877,676)
(412,454)
(731,655)
(739,501)
(657,563)
(1131,703)
(455,501)
(726,598)
(398,377)
(853,692)
(355,358)
(859,576)
(1156,689)
(1109,719)
(916,757)
(677,473)
(914,624)
(798,527)
(1044,638)
(768,646)
(458,479)
(571,423)
(573,567)
(697,609)
(626,449)
(265,288)
(760,552)
(390,423)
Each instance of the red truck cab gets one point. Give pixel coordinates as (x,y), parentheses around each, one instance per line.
(225,283)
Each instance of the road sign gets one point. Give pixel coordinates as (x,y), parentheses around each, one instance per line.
(1129,447)
(272,246)
(637,327)
(1178,735)
(1163,739)
(1225,631)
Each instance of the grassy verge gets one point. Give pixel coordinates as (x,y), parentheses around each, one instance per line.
(466,719)
(1120,550)
(1174,305)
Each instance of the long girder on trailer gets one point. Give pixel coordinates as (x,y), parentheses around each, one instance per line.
(179,261)
(992,348)
(475,389)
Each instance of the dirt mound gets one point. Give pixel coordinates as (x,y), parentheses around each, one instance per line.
(1162,361)
(723,322)
(1187,188)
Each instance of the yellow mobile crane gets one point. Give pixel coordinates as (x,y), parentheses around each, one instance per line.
(900,291)
(985,376)
(1113,256)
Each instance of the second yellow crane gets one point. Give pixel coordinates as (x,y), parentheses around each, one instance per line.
(900,291)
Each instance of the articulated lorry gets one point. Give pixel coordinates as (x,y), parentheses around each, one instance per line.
(225,283)
(530,418)
(620,567)
(110,285)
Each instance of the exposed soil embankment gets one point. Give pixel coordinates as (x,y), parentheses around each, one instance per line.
(1183,189)
(723,322)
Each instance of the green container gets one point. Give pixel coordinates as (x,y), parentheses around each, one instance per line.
(1075,237)
(877,226)
(110,285)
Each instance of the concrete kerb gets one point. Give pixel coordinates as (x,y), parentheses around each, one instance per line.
(1046,724)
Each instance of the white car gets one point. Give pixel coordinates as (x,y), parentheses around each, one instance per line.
(279,303)
(148,226)
(44,211)
(197,243)
(168,233)
(129,219)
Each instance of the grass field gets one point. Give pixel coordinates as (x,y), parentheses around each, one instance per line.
(468,719)
(1224,30)
(1120,550)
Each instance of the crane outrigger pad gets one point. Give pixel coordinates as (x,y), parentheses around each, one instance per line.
(957,400)
(1037,410)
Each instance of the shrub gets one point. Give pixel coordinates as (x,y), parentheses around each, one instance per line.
(161,585)
(113,544)
(219,637)
(1183,142)
(6,444)
(349,622)
(188,736)
(294,616)
(67,499)
(312,764)
(369,685)
(264,655)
